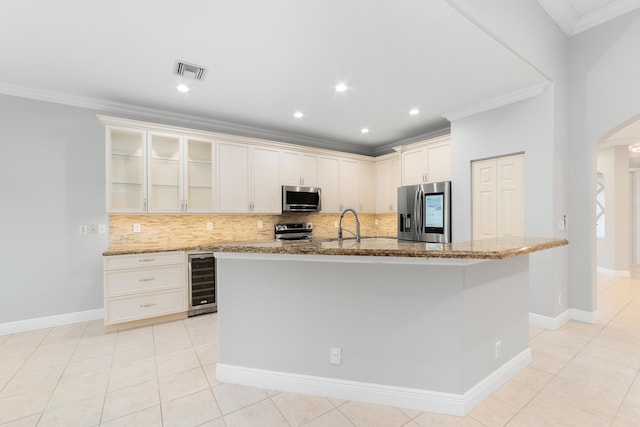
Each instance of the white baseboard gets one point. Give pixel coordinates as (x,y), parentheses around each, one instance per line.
(551,323)
(422,400)
(50,321)
(555,323)
(614,273)
(584,316)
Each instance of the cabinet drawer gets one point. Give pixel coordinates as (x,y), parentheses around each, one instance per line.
(143,260)
(122,282)
(125,309)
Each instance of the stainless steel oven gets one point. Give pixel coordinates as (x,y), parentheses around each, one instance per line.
(202,284)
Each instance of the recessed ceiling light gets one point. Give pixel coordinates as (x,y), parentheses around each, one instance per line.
(182,88)
(298,115)
(341,87)
(414,111)
(364,130)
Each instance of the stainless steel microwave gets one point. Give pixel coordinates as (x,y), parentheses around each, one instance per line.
(300,199)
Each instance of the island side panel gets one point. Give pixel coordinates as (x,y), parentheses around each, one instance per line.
(496,309)
(397,324)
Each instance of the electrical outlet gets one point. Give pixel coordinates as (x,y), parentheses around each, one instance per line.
(83,229)
(376,221)
(102,229)
(259,223)
(92,228)
(335,355)
(335,224)
(209,226)
(498,349)
(560,300)
(136,228)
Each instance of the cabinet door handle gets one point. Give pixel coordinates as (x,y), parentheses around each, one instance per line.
(147,280)
(391,207)
(147,305)
(146,259)
(144,205)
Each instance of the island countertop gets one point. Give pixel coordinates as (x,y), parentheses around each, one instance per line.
(498,248)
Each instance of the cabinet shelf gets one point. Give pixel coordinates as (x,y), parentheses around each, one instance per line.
(165,185)
(125,156)
(138,184)
(200,162)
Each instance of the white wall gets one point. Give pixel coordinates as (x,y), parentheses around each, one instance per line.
(526,127)
(539,127)
(51,180)
(634,185)
(604,96)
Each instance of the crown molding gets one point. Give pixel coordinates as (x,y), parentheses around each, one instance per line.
(604,14)
(562,13)
(499,101)
(395,146)
(178,119)
(568,19)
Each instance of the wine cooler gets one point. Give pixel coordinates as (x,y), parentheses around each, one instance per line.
(202,284)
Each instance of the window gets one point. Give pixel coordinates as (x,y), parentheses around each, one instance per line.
(600,205)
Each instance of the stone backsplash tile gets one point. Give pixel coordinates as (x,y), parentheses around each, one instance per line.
(191,230)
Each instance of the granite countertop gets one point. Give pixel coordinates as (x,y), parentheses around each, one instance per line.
(499,248)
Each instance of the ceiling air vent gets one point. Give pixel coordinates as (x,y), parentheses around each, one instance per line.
(190,71)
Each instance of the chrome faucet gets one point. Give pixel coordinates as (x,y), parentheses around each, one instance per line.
(357,233)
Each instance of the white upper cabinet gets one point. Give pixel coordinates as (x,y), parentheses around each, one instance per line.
(356,185)
(329,183)
(165,173)
(234,194)
(153,168)
(126,176)
(199,174)
(366,187)
(349,184)
(157,172)
(265,178)
(249,178)
(428,162)
(299,169)
(387,178)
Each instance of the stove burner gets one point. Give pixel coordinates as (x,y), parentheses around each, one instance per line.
(294,231)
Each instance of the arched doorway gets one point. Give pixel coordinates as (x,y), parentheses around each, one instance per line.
(617,201)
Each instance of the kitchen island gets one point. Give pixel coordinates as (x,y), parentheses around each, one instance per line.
(433,327)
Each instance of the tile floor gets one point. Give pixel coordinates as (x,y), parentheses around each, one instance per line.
(78,375)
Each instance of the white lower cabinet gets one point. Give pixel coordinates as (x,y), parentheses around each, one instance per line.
(144,286)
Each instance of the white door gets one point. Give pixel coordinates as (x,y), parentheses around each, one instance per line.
(498,197)
(510,195)
(483,190)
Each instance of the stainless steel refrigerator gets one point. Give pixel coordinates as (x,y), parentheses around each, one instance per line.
(424,212)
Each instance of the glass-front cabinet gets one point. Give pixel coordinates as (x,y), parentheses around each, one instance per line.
(198,175)
(165,173)
(126,170)
(158,172)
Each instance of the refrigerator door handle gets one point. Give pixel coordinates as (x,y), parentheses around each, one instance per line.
(416,212)
(422,213)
